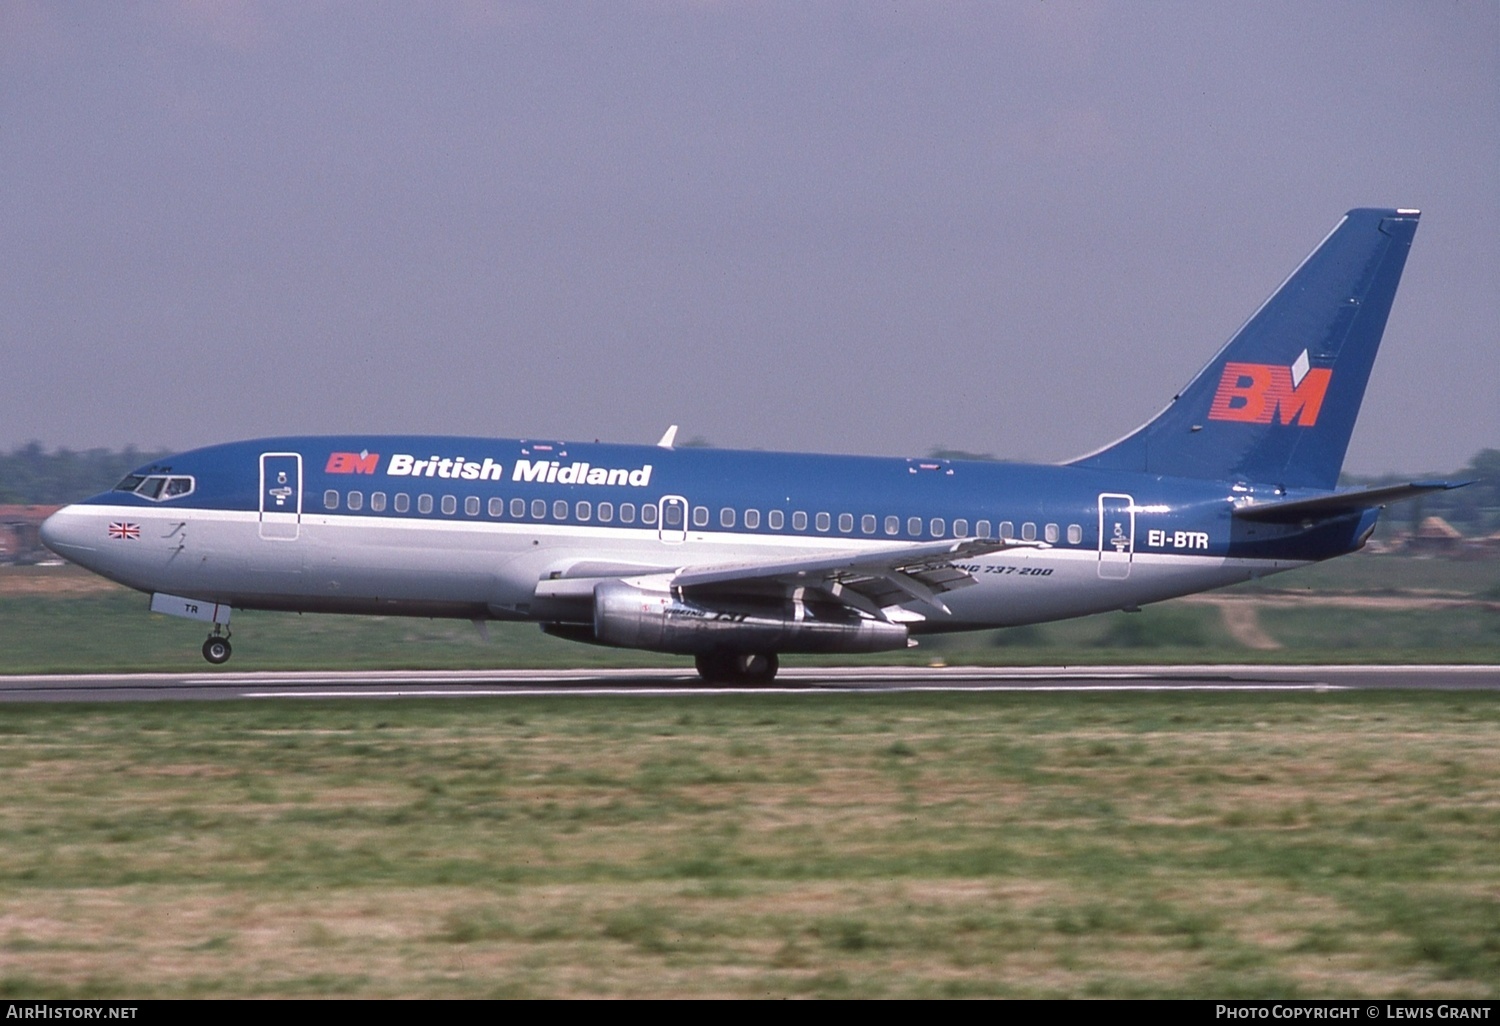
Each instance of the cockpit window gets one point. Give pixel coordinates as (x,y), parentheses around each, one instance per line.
(157,487)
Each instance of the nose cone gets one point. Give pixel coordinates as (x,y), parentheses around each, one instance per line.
(66,533)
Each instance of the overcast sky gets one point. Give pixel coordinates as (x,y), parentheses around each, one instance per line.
(854,227)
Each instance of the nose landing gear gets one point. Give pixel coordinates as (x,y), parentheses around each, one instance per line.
(217,649)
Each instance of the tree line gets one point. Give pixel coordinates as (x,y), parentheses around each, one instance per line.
(29,474)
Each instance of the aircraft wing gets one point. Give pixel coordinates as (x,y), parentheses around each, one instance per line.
(869,581)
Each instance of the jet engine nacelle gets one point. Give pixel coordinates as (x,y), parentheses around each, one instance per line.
(661,621)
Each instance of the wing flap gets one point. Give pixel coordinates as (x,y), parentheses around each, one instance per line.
(868,580)
(846,564)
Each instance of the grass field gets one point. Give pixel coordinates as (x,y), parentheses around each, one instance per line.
(1358,609)
(857,845)
(851,845)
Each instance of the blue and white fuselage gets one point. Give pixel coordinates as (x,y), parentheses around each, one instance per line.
(736,556)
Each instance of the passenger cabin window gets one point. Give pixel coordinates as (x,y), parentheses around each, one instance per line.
(355,500)
(824,521)
(1028,532)
(377,501)
(403,502)
(671,517)
(560,509)
(471,506)
(648,515)
(726,517)
(867,523)
(539,509)
(518,508)
(331,499)
(775,519)
(914,526)
(497,507)
(627,512)
(583,509)
(846,522)
(960,528)
(1051,533)
(752,518)
(799,521)
(700,516)
(1007,529)
(893,525)
(450,504)
(424,503)
(982,529)
(606,512)
(937,527)
(1075,534)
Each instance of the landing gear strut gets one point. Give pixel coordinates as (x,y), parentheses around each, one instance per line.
(737,667)
(217,649)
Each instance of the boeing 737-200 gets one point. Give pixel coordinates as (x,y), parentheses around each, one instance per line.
(735,557)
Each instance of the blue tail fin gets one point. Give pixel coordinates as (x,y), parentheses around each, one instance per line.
(1277,404)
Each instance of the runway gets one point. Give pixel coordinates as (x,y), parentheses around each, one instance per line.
(397,684)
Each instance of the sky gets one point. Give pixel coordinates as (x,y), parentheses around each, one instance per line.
(875,227)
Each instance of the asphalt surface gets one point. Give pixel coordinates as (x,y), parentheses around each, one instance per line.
(367,685)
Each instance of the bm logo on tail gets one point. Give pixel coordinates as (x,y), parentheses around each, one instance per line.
(1258,393)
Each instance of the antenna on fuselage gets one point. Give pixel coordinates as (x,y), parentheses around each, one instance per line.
(668,439)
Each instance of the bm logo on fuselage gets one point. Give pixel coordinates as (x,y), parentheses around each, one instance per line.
(1260,393)
(352,463)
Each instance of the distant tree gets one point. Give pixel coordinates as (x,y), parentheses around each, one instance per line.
(31,475)
(1481,499)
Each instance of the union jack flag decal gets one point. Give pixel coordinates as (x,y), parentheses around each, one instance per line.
(122,530)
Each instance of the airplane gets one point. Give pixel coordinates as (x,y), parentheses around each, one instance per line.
(738,557)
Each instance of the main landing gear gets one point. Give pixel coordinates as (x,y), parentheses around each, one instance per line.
(217,649)
(737,667)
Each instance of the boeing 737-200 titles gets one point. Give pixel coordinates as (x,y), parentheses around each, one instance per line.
(735,557)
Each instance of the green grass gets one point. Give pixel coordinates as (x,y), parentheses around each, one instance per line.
(1383,574)
(858,845)
(112,631)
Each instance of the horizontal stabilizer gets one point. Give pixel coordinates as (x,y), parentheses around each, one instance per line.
(1323,507)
